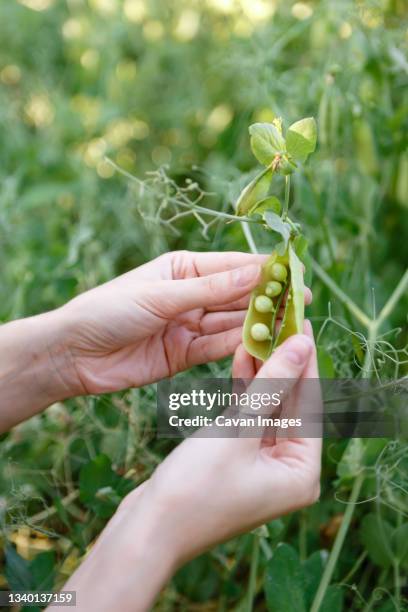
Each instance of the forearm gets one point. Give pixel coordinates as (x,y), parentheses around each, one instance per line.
(32,366)
(128,566)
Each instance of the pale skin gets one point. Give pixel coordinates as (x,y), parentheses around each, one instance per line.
(166,316)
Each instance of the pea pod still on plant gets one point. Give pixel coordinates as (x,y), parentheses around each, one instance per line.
(281,287)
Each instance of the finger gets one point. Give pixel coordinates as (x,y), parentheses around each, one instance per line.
(284,367)
(186,264)
(307,399)
(289,359)
(243,365)
(215,322)
(169,298)
(240,304)
(216,346)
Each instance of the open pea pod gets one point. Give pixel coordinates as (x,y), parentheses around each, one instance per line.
(260,336)
(293,317)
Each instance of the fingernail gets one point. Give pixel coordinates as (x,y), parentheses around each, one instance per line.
(297,349)
(243,276)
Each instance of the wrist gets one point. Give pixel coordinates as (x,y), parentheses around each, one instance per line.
(129,564)
(34,367)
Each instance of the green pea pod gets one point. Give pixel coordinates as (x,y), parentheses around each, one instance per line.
(256,190)
(292,322)
(262,350)
(293,317)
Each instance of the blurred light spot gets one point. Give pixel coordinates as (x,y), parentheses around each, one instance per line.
(88,108)
(39,110)
(140,129)
(94,151)
(301,10)
(134,10)
(90,59)
(10,75)
(37,5)
(199,117)
(72,28)
(223,6)
(207,138)
(126,70)
(243,28)
(188,25)
(153,30)
(106,7)
(161,155)
(219,118)
(172,137)
(119,132)
(371,17)
(29,542)
(265,115)
(66,201)
(345,30)
(105,169)
(258,10)
(126,158)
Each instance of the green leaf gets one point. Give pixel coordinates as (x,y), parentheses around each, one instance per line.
(100,488)
(301,139)
(351,462)
(400,542)
(266,142)
(325,362)
(333,599)
(284,581)
(17,572)
(198,580)
(256,190)
(375,535)
(300,244)
(275,223)
(43,572)
(272,203)
(275,528)
(312,569)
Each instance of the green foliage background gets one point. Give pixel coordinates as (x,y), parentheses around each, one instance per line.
(151,83)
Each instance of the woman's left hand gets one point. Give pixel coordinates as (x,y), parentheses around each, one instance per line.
(180,310)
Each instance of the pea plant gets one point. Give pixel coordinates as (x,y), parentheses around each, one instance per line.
(281,288)
(282,274)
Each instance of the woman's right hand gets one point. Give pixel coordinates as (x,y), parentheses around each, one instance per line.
(206,491)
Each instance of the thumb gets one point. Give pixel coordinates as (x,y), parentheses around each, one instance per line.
(176,296)
(289,360)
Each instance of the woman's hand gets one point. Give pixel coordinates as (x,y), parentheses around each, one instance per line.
(206,491)
(180,310)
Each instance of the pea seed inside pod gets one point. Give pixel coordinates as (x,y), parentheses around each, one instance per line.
(260,332)
(278,272)
(263,304)
(273,288)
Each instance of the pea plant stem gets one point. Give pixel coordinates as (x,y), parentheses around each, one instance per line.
(393,299)
(249,238)
(339,293)
(252,574)
(338,543)
(287,196)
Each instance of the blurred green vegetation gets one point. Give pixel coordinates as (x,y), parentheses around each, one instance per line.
(151,83)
